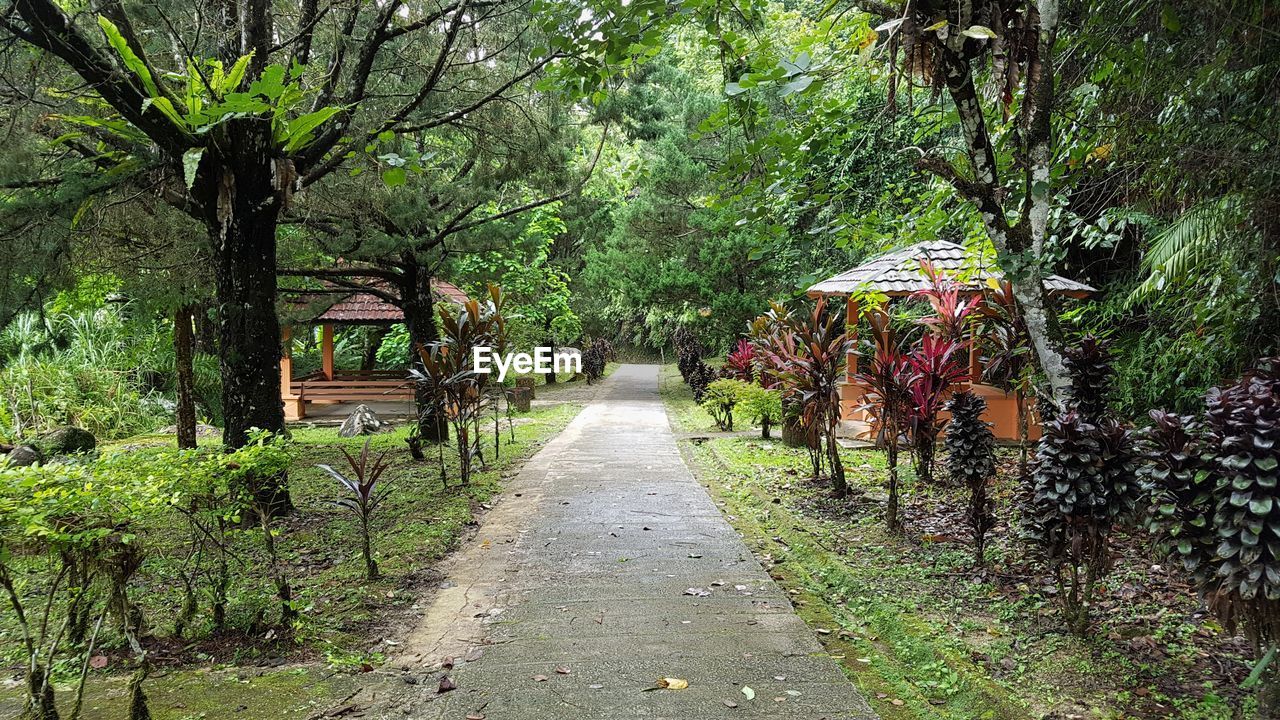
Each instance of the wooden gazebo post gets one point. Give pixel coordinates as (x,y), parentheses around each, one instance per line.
(326,350)
(294,406)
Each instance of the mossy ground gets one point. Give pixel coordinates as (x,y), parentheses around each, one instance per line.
(923,633)
(347,623)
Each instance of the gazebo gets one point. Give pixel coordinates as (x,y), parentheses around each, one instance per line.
(330,385)
(898,274)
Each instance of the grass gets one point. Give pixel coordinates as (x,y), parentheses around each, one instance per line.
(923,633)
(346,622)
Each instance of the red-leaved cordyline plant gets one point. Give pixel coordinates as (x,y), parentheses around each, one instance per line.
(818,350)
(741,363)
(934,367)
(1008,361)
(445,372)
(951,312)
(886,378)
(771,344)
(364,496)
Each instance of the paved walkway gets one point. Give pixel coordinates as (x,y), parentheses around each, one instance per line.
(605,567)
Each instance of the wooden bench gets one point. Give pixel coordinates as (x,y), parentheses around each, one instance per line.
(366,386)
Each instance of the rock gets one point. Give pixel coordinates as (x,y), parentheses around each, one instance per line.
(361,421)
(202,430)
(66,440)
(24,455)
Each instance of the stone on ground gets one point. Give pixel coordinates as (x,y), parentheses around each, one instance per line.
(362,421)
(66,440)
(23,455)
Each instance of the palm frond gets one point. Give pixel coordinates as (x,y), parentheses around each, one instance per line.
(1187,246)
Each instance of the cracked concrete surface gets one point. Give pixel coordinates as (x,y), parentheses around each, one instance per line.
(605,567)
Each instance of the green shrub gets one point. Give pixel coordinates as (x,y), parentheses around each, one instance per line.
(75,549)
(37,395)
(720,399)
(763,405)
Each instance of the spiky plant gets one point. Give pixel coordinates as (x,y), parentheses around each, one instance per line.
(1085,482)
(741,363)
(814,371)
(1216,508)
(1089,364)
(363,496)
(971,459)
(1177,472)
(596,357)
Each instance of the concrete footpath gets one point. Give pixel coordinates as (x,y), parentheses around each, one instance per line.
(605,567)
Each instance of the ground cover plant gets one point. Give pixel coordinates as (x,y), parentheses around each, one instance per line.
(213,594)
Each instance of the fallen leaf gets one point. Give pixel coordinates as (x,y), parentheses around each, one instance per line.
(562,670)
(730,704)
(475,716)
(673,683)
(746,690)
(473,654)
(539,678)
(97,662)
(897,702)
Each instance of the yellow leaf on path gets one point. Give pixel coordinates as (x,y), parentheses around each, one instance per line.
(672,683)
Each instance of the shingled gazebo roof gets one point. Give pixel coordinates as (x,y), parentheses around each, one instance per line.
(364,308)
(898,273)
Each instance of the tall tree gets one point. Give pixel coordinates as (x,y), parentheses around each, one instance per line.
(234,107)
(1011,43)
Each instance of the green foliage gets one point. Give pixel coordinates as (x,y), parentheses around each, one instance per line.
(763,406)
(99,369)
(537,291)
(92,525)
(720,399)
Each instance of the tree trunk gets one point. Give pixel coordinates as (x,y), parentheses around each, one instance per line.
(183,353)
(551,376)
(206,329)
(370,358)
(418,305)
(1014,248)
(242,205)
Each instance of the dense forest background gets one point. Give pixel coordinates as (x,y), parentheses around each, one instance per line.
(681,170)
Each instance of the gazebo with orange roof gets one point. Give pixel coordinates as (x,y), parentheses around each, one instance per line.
(898,274)
(330,385)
